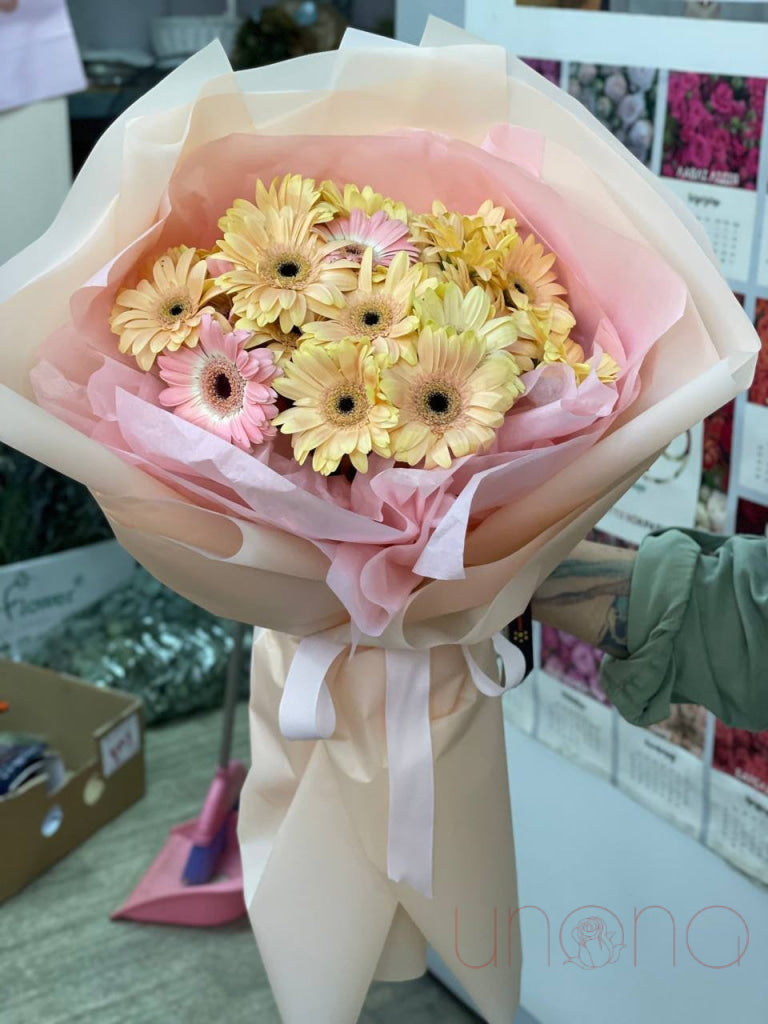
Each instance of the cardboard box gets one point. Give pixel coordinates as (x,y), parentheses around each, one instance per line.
(99,734)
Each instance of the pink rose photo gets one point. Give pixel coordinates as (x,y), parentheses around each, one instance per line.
(572,662)
(742,754)
(712,132)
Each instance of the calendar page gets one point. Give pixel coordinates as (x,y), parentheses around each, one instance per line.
(666,495)
(738,825)
(728,216)
(664,776)
(753,465)
(519,705)
(575,724)
(738,821)
(762,268)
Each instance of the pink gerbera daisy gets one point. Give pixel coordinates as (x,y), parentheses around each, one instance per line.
(221,387)
(385,235)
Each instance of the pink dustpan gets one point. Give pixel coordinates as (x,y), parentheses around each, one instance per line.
(197,878)
(161,897)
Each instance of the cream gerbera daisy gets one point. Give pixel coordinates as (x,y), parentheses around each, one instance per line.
(221,387)
(452,401)
(164,312)
(445,305)
(293,192)
(338,408)
(365,200)
(525,274)
(279,266)
(381,312)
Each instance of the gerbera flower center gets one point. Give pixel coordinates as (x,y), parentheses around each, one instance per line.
(346,405)
(288,339)
(520,285)
(174,309)
(288,269)
(371,319)
(438,403)
(354,251)
(222,387)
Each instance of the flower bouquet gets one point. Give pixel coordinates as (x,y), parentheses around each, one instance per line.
(357,347)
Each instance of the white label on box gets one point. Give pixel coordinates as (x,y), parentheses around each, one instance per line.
(38,594)
(520,704)
(738,824)
(120,745)
(753,467)
(661,775)
(664,496)
(575,725)
(728,217)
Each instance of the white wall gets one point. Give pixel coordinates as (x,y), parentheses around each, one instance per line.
(411,16)
(35,171)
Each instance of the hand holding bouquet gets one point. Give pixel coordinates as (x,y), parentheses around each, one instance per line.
(358,347)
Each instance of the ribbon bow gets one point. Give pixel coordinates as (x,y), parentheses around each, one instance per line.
(307,712)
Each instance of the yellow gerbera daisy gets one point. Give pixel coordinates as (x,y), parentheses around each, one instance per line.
(477,240)
(365,199)
(338,406)
(279,269)
(607,369)
(380,311)
(445,305)
(544,323)
(164,312)
(453,400)
(572,354)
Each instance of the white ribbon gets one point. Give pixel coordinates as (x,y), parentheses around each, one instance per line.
(307,712)
(306,707)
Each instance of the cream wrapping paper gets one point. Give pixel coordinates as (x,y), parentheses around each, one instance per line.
(314,813)
(313,824)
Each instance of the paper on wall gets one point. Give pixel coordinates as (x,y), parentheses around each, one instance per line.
(39,57)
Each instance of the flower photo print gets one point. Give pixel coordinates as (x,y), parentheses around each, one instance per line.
(713,127)
(623,99)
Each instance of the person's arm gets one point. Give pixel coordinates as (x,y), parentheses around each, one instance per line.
(588,596)
(684,620)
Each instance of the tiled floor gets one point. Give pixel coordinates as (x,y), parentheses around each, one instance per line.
(63,962)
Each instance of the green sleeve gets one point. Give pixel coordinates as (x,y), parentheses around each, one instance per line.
(697,630)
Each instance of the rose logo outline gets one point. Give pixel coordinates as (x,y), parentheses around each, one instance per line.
(595,945)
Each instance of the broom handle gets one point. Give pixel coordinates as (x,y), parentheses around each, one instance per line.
(234,668)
